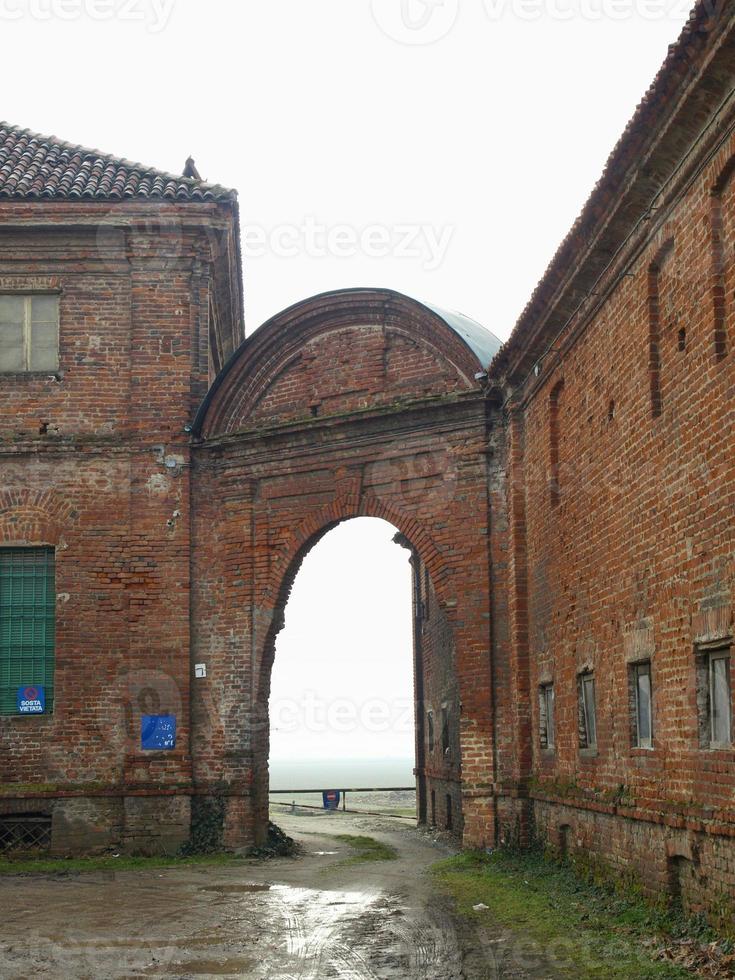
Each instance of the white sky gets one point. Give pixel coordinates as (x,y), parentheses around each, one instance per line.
(335,114)
(494,134)
(343,674)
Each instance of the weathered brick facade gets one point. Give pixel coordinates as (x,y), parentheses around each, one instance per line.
(96,462)
(617,483)
(570,512)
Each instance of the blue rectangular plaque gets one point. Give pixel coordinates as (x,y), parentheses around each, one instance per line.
(158,732)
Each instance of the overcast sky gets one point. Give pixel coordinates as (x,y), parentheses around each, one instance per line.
(343,675)
(438,147)
(333,114)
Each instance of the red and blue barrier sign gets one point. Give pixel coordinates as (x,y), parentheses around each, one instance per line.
(330,798)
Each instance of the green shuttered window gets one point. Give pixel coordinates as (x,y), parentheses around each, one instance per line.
(27,623)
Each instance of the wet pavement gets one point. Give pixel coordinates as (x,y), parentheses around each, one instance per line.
(311,916)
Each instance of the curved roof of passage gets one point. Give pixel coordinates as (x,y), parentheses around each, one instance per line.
(481,343)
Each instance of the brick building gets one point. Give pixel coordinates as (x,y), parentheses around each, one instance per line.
(568,501)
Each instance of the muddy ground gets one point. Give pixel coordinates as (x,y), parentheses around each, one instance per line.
(311,916)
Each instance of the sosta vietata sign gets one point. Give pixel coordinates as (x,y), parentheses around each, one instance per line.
(31,700)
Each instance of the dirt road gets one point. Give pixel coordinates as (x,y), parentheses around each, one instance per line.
(313,916)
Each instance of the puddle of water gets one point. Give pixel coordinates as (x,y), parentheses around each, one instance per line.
(235,889)
(322,853)
(149,943)
(235,966)
(314,920)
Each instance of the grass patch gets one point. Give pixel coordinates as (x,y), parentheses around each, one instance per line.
(366,849)
(68,866)
(563,924)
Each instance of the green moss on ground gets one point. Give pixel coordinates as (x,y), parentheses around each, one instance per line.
(366,849)
(573,927)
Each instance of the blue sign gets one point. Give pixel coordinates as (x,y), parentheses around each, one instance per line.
(330,798)
(158,732)
(31,700)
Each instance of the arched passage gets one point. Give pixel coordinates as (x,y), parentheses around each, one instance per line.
(347,707)
(361,402)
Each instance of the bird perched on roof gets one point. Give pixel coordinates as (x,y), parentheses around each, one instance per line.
(190,169)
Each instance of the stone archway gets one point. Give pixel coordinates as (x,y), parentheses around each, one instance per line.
(360,402)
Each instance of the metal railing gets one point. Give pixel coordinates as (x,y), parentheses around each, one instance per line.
(343,794)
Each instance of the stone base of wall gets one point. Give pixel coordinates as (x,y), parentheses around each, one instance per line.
(697,867)
(514,821)
(88,826)
(156,824)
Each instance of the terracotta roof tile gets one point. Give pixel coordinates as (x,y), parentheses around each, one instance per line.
(44,167)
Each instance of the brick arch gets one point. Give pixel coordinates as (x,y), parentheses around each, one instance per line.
(343,508)
(33,517)
(278,345)
(405,437)
(308,534)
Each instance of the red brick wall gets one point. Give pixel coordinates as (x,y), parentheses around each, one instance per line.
(625,489)
(96,463)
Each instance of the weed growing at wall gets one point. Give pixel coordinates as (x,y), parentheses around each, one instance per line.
(207,825)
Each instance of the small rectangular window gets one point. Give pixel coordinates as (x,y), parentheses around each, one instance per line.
(720,698)
(27,624)
(546,716)
(714,696)
(445,730)
(29,333)
(430,729)
(587,712)
(642,700)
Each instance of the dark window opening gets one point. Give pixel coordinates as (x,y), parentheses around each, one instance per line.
(450,820)
(587,712)
(430,729)
(25,832)
(546,716)
(554,480)
(445,730)
(654,327)
(641,697)
(714,696)
(719,263)
(565,832)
